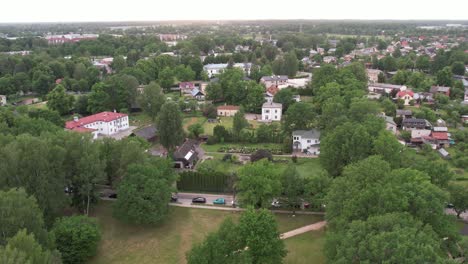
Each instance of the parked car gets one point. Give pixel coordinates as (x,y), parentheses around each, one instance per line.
(449,205)
(275,203)
(219,201)
(199,200)
(174,197)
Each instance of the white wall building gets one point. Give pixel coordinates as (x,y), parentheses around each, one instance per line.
(104,123)
(217,68)
(271,111)
(3,100)
(307,141)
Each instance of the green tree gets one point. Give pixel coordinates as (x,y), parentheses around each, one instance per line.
(169,123)
(389,148)
(79,72)
(21,211)
(325,74)
(196,130)
(184,74)
(298,116)
(459,198)
(151,100)
(284,97)
(144,193)
(291,64)
(166,78)
(444,77)
(293,187)
(458,68)
(118,64)
(255,97)
(77,238)
(423,63)
(59,100)
(239,122)
(258,184)
(23,248)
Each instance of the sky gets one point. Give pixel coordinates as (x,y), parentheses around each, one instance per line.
(155,10)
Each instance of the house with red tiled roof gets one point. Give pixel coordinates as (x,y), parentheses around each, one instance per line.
(407,96)
(104,123)
(227,110)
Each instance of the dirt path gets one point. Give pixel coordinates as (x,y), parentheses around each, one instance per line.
(303,229)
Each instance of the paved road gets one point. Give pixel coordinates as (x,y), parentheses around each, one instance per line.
(186,198)
(304,229)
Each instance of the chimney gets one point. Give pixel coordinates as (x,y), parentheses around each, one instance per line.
(75,118)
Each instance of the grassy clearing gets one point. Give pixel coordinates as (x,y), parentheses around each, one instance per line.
(306,248)
(140,119)
(169,241)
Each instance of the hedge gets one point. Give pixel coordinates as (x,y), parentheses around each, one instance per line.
(195,181)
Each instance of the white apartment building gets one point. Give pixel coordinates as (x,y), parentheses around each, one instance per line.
(271,111)
(104,123)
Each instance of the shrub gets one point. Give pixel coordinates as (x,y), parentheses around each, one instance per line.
(261,154)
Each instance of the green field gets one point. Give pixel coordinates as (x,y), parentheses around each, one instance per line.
(169,241)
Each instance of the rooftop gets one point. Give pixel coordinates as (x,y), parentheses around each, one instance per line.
(272,105)
(313,133)
(228,107)
(103,117)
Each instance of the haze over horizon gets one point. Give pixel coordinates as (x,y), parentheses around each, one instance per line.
(29,11)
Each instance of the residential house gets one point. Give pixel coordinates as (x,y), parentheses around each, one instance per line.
(275,80)
(104,123)
(69,38)
(404,113)
(148,133)
(197,94)
(440,90)
(385,88)
(227,110)
(186,87)
(270,93)
(438,139)
(186,156)
(390,124)
(407,96)
(373,75)
(217,68)
(272,111)
(418,135)
(329,59)
(3,100)
(307,141)
(416,123)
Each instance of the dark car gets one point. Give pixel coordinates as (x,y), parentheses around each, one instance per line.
(199,200)
(174,197)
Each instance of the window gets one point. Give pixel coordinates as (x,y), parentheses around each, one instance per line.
(267,111)
(276,117)
(276,111)
(308,141)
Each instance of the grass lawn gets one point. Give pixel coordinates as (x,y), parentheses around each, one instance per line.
(188,121)
(169,241)
(307,166)
(306,248)
(139,119)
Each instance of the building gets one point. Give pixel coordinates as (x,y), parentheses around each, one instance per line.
(390,124)
(306,141)
(416,123)
(104,123)
(407,96)
(373,75)
(217,68)
(186,87)
(418,136)
(440,90)
(329,59)
(3,100)
(227,110)
(404,113)
(69,38)
(275,80)
(186,156)
(272,111)
(148,133)
(197,94)
(385,88)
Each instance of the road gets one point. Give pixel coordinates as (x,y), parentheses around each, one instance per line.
(186,198)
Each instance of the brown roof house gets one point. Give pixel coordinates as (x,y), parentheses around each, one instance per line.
(227,110)
(186,156)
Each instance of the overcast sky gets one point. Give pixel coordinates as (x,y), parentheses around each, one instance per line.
(148,10)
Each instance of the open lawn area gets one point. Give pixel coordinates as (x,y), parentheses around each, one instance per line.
(208,127)
(169,241)
(139,119)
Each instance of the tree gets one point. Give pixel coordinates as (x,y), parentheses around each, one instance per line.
(169,123)
(255,97)
(23,248)
(254,240)
(291,64)
(166,78)
(195,130)
(423,63)
(184,74)
(144,193)
(59,101)
(258,184)
(284,97)
(77,238)
(118,64)
(293,187)
(79,72)
(389,148)
(459,198)
(325,74)
(385,238)
(81,105)
(444,77)
(151,100)
(23,213)
(239,122)
(389,107)
(298,116)
(458,68)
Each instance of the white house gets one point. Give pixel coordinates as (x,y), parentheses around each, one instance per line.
(271,111)
(275,80)
(3,100)
(217,68)
(307,141)
(104,123)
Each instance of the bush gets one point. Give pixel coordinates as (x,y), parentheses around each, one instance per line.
(294,159)
(77,238)
(208,182)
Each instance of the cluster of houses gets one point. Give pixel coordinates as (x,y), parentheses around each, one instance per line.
(69,38)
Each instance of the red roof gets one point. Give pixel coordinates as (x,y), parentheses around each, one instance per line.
(103,117)
(403,93)
(440,135)
(273,90)
(228,107)
(186,85)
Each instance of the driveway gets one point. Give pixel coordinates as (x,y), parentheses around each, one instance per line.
(186,198)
